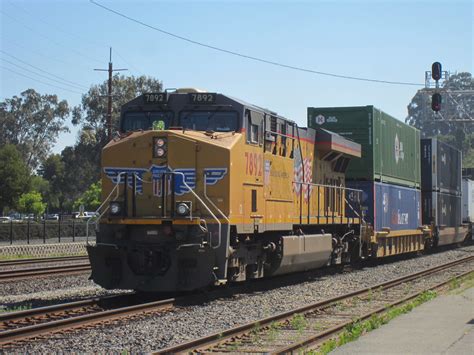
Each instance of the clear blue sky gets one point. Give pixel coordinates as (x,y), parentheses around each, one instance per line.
(387,40)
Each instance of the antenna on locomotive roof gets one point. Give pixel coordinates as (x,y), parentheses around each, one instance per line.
(109,96)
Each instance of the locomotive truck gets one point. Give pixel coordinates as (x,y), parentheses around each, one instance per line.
(202,189)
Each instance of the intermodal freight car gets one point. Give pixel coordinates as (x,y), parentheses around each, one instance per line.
(201,188)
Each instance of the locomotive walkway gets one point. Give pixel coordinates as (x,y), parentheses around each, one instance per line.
(444,325)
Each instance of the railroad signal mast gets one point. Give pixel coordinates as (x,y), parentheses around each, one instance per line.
(436,75)
(434,86)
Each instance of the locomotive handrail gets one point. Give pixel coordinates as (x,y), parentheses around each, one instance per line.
(102,205)
(333,188)
(212,203)
(207,208)
(201,201)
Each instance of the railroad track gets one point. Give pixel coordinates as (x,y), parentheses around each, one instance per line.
(19,274)
(21,262)
(309,326)
(16,327)
(40,322)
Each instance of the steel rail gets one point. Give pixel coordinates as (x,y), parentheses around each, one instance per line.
(18,262)
(18,274)
(41,329)
(221,337)
(328,333)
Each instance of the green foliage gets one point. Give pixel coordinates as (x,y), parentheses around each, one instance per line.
(52,171)
(91,113)
(14,176)
(90,199)
(299,322)
(24,307)
(31,202)
(273,331)
(32,122)
(455,105)
(357,328)
(39,184)
(82,161)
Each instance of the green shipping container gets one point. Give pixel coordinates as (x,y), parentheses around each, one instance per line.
(390,148)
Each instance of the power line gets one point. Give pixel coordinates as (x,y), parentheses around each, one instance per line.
(238,54)
(66,82)
(44,36)
(40,81)
(31,71)
(43,55)
(127,62)
(62,29)
(71,34)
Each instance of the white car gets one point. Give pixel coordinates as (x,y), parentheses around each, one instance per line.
(5,219)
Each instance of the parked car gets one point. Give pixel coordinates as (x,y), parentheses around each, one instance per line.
(51,217)
(5,219)
(84,215)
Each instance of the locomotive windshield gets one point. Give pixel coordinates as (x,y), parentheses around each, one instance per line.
(134,121)
(217,121)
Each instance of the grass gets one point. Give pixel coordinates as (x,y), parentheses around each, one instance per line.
(16,308)
(354,330)
(299,323)
(273,331)
(466,282)
(31,256)
(255,333)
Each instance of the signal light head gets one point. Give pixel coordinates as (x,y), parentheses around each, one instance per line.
(436,102)
(436,71)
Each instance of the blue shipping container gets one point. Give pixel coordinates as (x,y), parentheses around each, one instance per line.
(389,206)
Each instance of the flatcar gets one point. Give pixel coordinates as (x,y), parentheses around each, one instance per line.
(202,189)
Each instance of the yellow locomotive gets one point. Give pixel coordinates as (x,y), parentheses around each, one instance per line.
(201,189)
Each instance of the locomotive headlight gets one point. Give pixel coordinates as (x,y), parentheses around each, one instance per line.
(159,147)
(160,152)
(115,208)
(182,209)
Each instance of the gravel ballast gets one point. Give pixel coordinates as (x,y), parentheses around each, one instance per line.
(152,332)
(44,291)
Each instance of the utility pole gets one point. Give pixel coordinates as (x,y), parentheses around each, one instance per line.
(109,95)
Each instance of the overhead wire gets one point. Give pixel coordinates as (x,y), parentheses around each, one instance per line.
(62,82)
(31,50)
(47,37)
(40,81)
(246,56)
(37,74)
(74,35)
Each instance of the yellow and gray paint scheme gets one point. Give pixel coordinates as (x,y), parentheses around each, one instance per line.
(202,188)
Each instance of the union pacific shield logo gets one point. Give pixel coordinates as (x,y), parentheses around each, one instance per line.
(184,178)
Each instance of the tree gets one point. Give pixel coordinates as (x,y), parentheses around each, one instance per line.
(90,199)
(455,105)
(82,162)
(32,122)
(92,113)
(14,176)
(31,202)
(53,170)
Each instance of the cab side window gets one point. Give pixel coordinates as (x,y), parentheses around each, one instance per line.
(254,127)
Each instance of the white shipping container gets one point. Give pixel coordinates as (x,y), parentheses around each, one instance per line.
(467,205)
